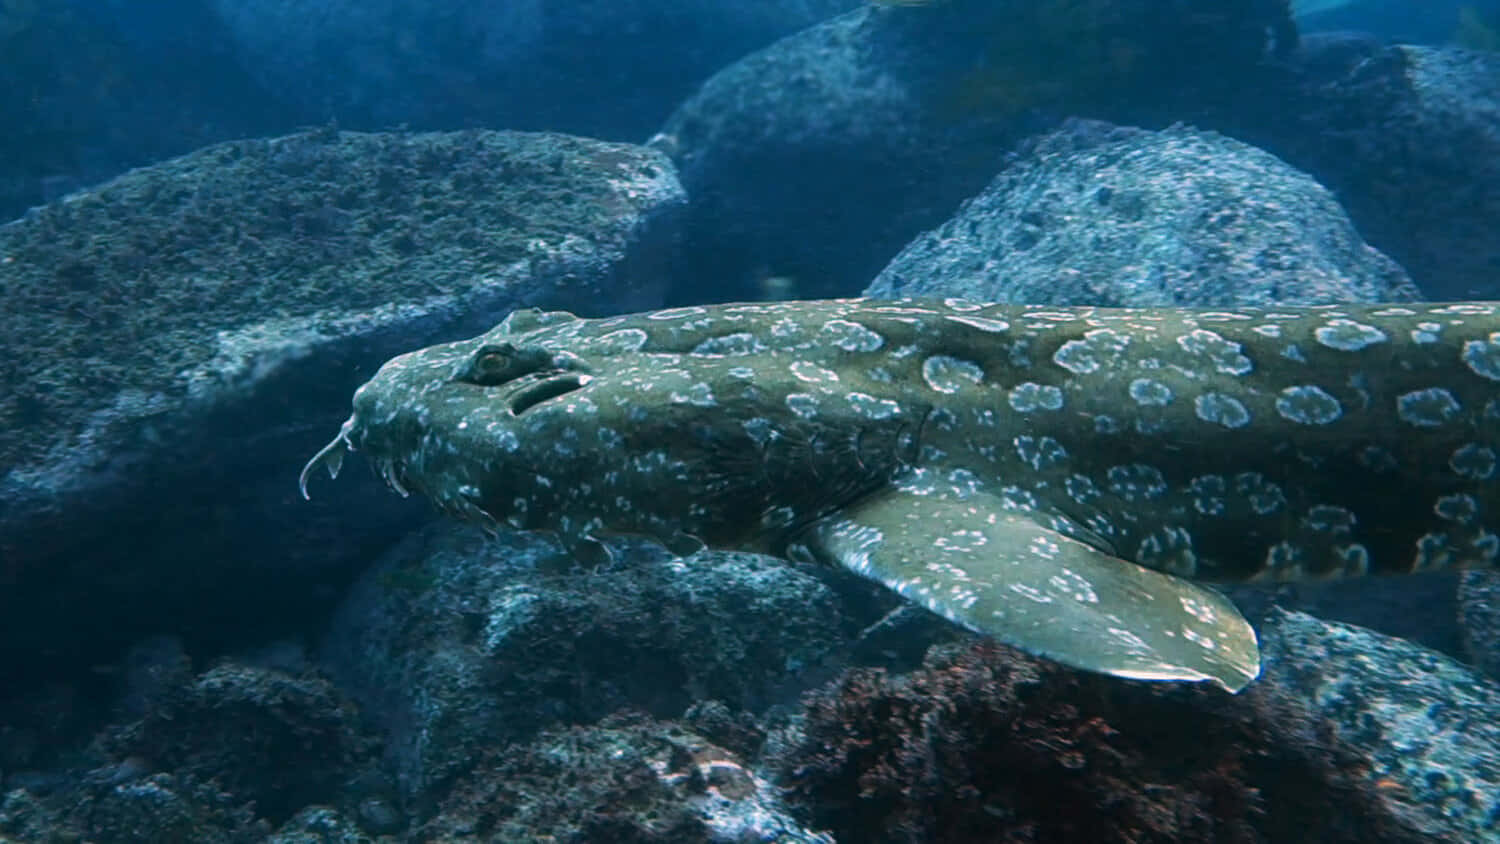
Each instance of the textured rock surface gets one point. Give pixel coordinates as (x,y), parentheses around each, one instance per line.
(1102,215)
(1479,620)
(326,826)
(169,755)
(1408,138)
(278,740)
(1348,736)
(819,157)
(457,641)
(984,743)
(176,343)
(626,779)
(1427,727)
(607,68)
(132,808)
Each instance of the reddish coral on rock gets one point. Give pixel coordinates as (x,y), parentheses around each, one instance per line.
(985,744)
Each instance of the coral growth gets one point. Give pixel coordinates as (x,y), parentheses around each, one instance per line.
(280,740)
(985,744)
(579,784)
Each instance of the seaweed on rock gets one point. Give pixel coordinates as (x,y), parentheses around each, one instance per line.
(985,744)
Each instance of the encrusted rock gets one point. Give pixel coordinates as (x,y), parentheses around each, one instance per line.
(812,162)
(628,778)
(984,743)
(1101,215)
(1408,137)
(174,341)
(456,641)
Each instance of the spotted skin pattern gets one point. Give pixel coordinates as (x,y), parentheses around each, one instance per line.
(1209,445)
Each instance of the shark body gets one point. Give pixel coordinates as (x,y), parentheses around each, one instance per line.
(1063,479)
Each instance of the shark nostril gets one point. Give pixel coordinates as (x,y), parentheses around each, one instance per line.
(551,388)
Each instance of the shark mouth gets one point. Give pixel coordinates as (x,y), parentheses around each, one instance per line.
(331,457)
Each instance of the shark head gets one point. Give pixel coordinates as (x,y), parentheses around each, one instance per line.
(588,428)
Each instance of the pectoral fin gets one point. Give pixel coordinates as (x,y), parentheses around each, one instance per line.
(1003,574)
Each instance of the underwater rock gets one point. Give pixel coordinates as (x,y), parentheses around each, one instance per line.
(608,69)
(324,825)
(457,640)
(1101,215)
(170,337)
(1426,727)
(146,750)
(813,161)
(628,778)
(1394,21)
(1479,619)
(1407,137)
(278,740)
(131,809)
(984,743)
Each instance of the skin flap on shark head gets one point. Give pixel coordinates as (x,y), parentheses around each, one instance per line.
(1062,479)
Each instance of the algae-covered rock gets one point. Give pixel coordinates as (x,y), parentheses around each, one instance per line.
(1426,726)
(819,157)
(628,778)
(1101,215)
(173,339)
(456,640)
(220,757)
(984,743)
(1407,137)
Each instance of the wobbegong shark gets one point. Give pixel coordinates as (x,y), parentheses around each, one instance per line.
(1067,480)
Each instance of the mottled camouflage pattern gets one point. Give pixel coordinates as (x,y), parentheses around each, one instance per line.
(1229,445)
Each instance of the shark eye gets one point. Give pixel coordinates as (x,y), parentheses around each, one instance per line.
(491,365)
(502,363)
(496,365)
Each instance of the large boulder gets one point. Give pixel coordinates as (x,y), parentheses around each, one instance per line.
(177,342)
(1408,138)
(220,755)
(1427,22)
(457,641)
(1426,727)
(1102,215)
(819,157)
(1479,619)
